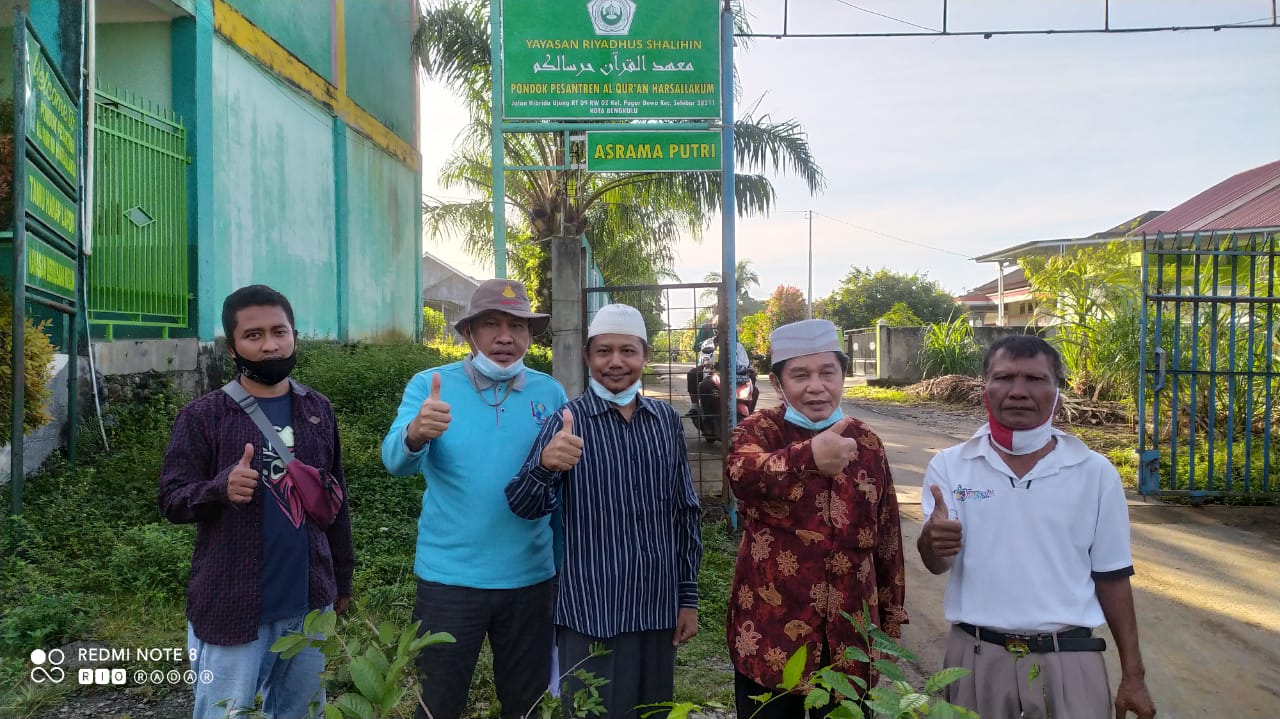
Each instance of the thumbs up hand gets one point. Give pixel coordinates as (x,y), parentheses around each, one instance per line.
(942,534)
(832,451)
(565,448)
(432,419)
(243,478)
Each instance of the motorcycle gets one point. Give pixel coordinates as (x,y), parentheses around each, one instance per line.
(704,392)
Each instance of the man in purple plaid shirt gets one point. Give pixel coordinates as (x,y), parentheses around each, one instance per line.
(260,563)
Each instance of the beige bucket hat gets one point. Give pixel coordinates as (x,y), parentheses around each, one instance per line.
(503,296)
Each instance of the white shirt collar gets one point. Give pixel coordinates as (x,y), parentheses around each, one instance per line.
(1068,452)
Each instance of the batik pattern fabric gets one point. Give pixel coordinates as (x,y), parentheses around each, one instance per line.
(813,547)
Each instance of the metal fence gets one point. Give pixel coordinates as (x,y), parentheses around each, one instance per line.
(1210,365)
(137,272)
(860,345)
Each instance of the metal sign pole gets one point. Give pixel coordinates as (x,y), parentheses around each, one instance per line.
(18,281)
(497,156)
(728,263)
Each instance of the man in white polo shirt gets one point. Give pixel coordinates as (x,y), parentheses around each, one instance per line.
(1034,528)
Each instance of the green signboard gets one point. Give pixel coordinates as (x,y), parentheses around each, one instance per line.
(639,151)
(49,205)
(50,270)
(615,59)
(53,126)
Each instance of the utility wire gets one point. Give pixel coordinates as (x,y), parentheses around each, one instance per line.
(1272,22)
(891,237)
(887,17)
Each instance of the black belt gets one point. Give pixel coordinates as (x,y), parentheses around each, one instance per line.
(1080,639)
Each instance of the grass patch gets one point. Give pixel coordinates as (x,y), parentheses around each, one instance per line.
(704,673)
(1118,443)
(882,394)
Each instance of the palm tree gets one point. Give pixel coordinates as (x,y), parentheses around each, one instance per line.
(744,279)
(632,220)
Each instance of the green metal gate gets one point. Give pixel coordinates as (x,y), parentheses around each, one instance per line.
(137,272)
(1210,379)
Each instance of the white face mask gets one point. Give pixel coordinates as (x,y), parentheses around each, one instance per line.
(795,417)
(1022,441)
(622,399)
(493,370)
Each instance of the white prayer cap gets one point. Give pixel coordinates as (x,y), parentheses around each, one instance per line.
(618,319)
(806,337)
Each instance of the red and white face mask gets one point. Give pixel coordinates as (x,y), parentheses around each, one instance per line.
(1021,441)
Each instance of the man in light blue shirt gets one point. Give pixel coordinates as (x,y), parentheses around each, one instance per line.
(481,570)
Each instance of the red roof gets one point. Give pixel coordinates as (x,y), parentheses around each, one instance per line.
(1248,200)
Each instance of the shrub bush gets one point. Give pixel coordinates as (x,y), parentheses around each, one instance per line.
(949,348)
(37,354)
(433,324)
(42,620)
(152,561)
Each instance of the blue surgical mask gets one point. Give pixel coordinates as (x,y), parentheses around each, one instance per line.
(794,417)
(495,371)
(799,420)
(622,399)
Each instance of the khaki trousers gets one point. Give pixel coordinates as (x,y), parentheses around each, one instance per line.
(1066,685)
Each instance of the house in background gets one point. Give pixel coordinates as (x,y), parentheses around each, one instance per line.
(1009,300)
(1249,200)
(446,289)
(227,143)
(1246,201)
(1002,302)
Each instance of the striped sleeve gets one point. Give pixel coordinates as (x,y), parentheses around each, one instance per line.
(688,521)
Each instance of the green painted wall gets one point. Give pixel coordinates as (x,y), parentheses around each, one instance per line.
(303,27)
(383,231)
(380,63)
(138,58)
(273,197)
(192,89)
(60,25)
(6,61)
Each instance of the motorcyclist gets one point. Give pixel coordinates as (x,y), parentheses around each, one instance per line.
(704,390)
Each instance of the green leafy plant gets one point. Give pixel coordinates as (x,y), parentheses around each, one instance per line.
(380,668)
(754,335)
(433,325)
(848,696)
(949,348)
(583,701)
(1091,298)
(37,355)
(41,621)
(901,315)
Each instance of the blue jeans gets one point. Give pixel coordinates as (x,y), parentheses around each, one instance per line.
(237,674)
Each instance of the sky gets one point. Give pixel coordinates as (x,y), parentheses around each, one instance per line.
(939,149)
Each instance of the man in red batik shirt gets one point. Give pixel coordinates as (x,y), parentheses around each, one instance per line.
(820,519)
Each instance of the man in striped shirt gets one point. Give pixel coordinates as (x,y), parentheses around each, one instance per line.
(616,462)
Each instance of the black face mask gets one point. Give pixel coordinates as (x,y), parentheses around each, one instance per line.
(268,372)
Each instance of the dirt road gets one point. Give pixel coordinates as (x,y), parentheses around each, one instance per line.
(1207,590)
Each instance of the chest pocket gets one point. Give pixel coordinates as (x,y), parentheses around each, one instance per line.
(643,468)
